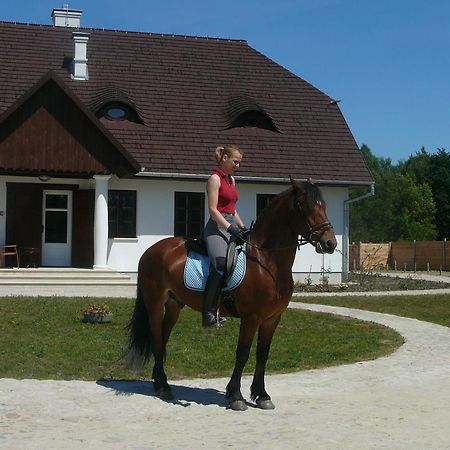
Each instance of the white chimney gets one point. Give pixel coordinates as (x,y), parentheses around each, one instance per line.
(65,17)
(79,63)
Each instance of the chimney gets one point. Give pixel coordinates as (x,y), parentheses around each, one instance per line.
(79,63)
(65,17)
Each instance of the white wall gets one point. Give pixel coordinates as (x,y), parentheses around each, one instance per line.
(155,219)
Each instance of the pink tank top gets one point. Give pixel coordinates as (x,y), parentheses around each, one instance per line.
(228,195)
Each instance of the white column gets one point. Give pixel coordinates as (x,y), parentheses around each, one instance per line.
(101,222)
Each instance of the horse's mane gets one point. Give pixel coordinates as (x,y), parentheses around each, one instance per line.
(312,196)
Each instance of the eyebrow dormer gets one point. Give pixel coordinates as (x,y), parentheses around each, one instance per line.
(113,103)
(244,111)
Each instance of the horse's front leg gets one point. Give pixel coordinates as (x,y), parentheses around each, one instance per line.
(258,389)
(246,335)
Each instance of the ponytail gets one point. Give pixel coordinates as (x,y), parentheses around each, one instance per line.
(227,150)
(218,154)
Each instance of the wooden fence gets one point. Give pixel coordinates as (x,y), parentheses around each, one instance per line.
(416,255)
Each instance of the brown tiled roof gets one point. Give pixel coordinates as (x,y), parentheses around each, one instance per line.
(186,90)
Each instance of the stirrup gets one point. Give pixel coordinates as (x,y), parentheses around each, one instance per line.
(212,320)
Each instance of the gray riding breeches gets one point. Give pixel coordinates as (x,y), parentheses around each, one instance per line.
(217,240)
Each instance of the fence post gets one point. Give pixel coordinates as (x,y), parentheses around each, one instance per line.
(389,257)
(444,259)
(359,255)
(414,257)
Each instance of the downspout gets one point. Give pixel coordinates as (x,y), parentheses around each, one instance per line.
(345,237)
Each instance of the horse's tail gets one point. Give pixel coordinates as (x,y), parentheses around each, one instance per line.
(139,336)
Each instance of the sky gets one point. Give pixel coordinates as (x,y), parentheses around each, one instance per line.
(387,61)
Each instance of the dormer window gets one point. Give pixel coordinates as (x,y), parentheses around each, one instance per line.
(244,111)
(116,112)
(254,119)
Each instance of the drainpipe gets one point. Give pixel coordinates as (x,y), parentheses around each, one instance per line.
(345,237)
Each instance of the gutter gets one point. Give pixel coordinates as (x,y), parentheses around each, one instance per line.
(345,237)
(178,175)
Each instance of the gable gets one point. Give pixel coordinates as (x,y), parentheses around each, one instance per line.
(48,132)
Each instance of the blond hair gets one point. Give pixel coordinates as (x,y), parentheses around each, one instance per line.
(226,150)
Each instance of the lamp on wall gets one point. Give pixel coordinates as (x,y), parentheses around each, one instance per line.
(44,178)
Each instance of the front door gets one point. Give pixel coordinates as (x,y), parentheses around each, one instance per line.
(57,228)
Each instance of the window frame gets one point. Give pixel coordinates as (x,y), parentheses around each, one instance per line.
(183,223)
(119,230)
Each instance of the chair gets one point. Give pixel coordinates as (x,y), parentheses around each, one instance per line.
(8,250)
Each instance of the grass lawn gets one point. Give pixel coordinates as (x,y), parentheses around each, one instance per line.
(430,308)
(45,338)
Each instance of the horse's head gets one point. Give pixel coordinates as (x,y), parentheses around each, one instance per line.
(310,217)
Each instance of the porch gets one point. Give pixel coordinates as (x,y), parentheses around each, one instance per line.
(66,282)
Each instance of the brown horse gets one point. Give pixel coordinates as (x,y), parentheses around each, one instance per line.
(260,299)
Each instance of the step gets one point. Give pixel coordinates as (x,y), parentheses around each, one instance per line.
(62,273)
(65,282)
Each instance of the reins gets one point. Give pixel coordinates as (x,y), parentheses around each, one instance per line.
(313,238)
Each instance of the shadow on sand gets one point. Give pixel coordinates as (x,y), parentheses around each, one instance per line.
(184,395)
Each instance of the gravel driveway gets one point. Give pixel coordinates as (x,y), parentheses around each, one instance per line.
(397,402)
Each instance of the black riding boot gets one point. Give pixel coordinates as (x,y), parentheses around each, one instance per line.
(211,299)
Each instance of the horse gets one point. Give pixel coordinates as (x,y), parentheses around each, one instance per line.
(259,300)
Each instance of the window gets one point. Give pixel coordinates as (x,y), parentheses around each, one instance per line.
(262,200)
(117,111)
(189,214)
(121,214)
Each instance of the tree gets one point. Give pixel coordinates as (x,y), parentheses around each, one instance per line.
(440,184)
(401,209)
(435,171)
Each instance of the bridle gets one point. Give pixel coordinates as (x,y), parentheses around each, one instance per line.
(315,232)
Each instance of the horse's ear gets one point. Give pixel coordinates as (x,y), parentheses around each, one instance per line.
(297,186)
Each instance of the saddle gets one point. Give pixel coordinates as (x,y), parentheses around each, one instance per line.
(231,258)
(198,265)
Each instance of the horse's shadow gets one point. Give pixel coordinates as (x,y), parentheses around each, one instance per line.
(184,395)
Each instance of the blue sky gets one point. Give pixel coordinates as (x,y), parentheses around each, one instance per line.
(388,61)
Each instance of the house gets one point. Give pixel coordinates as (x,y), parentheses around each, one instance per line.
(107,140)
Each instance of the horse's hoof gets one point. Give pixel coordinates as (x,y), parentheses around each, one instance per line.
(265,404)
(238,405)
(165,394)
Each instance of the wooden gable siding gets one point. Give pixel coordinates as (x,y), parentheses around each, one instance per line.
(49,133)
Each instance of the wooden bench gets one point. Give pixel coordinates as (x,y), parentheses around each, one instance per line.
(8,250)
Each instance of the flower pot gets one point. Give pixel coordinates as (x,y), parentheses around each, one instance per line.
(97,318)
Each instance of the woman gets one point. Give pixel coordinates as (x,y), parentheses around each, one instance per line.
(223,223)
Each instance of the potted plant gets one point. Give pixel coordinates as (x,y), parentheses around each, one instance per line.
(96,314)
